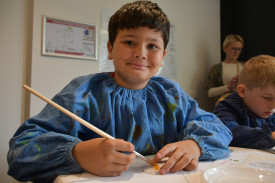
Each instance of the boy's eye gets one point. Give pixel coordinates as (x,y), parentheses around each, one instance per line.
(268,98)
(152,46)
(131,43)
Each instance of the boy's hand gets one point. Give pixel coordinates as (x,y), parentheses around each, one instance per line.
(104,157)
(183,155)
(273,135)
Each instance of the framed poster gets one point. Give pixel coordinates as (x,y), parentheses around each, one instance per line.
(66,38)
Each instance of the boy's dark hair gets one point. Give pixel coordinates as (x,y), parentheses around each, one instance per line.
(139,14)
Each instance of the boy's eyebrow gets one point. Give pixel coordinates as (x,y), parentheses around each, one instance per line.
(268,93)
(133,36)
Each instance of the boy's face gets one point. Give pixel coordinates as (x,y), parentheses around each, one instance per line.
(258,100)
(137,56)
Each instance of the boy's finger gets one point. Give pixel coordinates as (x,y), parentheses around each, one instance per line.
(123,158)
(119,145)
(166,151)
(167,166)
(184,162)
(192,165)
(176,162)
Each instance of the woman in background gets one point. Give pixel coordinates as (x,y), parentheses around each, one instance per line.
(223,77)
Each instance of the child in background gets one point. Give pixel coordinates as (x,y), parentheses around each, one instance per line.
(249,112)
(146,113)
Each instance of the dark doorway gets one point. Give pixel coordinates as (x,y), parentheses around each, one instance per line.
(254,20)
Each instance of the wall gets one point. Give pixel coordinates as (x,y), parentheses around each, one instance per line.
(15,47)
(198,44)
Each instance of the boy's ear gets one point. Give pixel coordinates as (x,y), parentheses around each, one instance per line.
(164,53)
(241,89)
(110,49)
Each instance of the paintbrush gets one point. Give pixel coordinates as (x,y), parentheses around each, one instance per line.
(80,120)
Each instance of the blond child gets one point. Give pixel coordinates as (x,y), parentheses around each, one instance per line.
(149,114)
(249,112)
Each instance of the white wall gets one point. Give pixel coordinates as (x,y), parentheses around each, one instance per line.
(198,44)
(15,39)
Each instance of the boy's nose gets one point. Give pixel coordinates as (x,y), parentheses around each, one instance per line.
(140,52)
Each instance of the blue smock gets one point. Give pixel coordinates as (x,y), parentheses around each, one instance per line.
(150,118)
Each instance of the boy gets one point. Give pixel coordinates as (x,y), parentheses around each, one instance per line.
(249,112)
(149,114)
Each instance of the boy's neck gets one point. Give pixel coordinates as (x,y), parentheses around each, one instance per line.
(125,84)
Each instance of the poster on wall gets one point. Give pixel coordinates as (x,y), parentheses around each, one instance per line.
(66,38)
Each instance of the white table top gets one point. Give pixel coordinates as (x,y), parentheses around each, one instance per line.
(238,157)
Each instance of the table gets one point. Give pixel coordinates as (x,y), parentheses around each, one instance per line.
(136,174)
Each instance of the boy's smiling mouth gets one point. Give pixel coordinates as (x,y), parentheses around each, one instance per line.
(269,113)
(138,66)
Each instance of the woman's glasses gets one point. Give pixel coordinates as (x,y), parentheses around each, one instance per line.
(236,49)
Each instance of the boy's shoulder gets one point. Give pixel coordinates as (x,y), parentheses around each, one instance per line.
(156,83)
(233,98)
(164,86)
(155,80)
(91,77)
(233,106)
(231,102)
(164,82)
(86,80)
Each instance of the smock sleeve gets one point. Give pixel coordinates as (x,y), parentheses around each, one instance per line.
(207,130)
(41,149)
